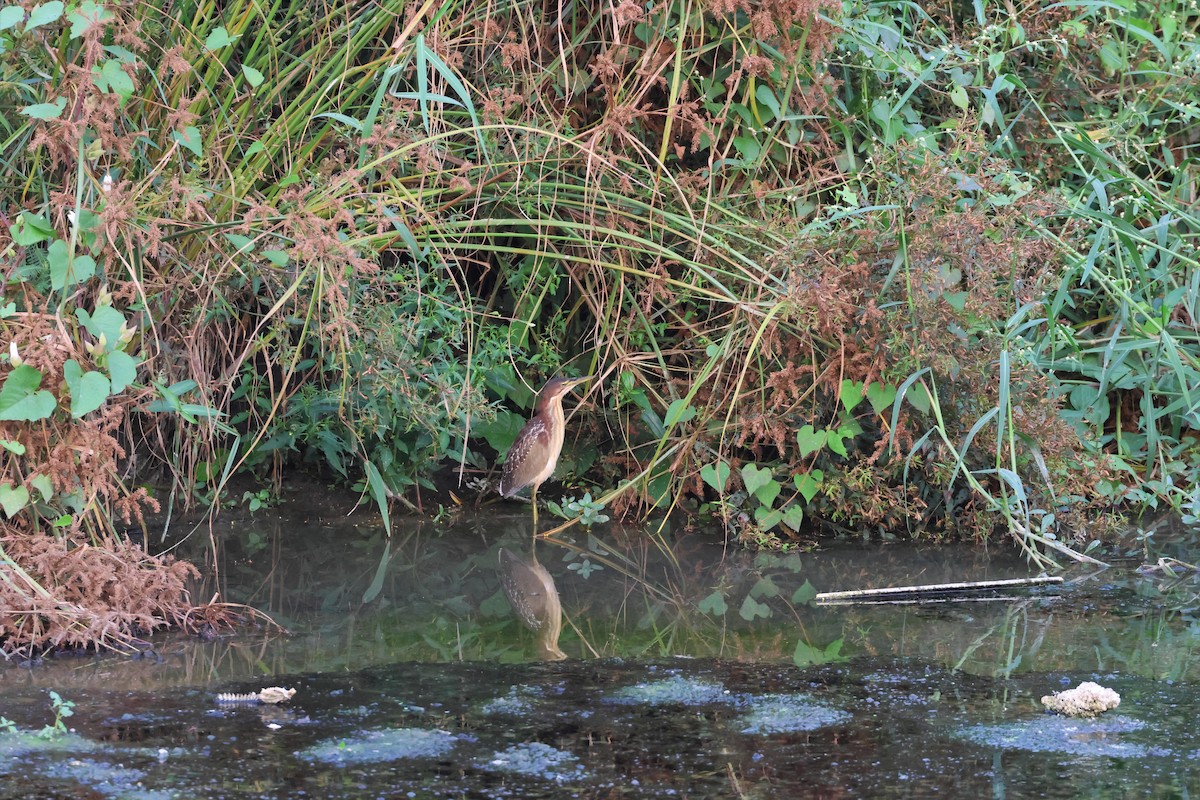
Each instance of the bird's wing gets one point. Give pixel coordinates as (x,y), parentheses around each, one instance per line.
(522,462)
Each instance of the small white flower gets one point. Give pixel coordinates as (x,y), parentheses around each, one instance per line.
(12,354)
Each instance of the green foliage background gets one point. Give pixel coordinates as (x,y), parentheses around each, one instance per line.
(868,266)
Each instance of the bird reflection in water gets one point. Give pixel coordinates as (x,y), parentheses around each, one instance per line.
(532,594)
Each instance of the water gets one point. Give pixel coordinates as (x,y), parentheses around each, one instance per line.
(431,687)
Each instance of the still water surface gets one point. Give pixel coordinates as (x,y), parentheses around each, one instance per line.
(692,671)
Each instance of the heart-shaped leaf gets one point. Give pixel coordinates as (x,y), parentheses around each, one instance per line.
(766,517)
(679,411)
(881,396)
(837,442)
(851,394)
(20,400)
(808,484)
(755,477)
(765,587)
(715,475)
(88,390)
(13,499)
(810,440)
(793,516)
(714,605)
(752,609)
(804,594)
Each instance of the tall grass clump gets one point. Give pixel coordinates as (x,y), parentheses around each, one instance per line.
(854,266)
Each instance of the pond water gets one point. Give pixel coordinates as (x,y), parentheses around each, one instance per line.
(692,671)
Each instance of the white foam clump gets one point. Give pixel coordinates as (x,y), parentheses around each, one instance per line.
(1085,700)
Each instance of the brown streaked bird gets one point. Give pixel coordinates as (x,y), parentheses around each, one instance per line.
(532,594)
(534,453)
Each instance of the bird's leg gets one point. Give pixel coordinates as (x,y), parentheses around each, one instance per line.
(533,498)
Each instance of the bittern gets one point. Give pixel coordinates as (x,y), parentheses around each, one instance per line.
(532,594)
(534,454)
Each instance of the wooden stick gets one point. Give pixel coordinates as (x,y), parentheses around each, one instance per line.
(935,588)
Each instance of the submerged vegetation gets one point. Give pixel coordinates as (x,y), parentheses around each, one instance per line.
(838,265)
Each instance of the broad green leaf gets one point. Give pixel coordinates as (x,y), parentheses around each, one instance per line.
(716,475)
(30,229)
(7,310)
(837,442)
(793,517)
(46,110)
(16,448)
(766,517)
(751,609)
(765,587)
(44,485)
(958,96)
(808,484)
(881,396)
(244,244)
(88,390)
(44,14)
(277,257)
(88,14)
(10,17)
(111,77)
(501,431)
(66,271)
(13,499)
(755,477)
(20,400)
(679,411)
(851,394)
(810,440)
(807,655)
(253,76)
(804,594)
(122,370)
(714,605)
(189,137)
(105,321)
(380,493)
(219,38)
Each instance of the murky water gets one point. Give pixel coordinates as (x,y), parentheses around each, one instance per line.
(691,672)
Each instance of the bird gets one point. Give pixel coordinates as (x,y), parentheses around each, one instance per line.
(534,453)
(532,594)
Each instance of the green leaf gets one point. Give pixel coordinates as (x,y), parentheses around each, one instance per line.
(13,500)
(755,477)
(810,440)
(244,244)
(766,517)
(958,96)
(679,411)
(44,14)
(809,483)
(716,475)
(253,76)
(122,370)
(105,321)
(380,493)
(20,400)
(46,110)
(714,605)
(919,397)
(851,394)
(277,257)
(66,271)
(15,448)
(804,594)
(189,137)
(806,655)
(765,587)
(10,17)
(88,390)
(30,229)
(837,442)
(751,609)
(112,78)
(88,14)
(793,517)
(501,431)
(219,38)
(44,485)
(7,310)
(881,396)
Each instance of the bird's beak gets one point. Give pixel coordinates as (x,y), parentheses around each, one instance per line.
(576,381)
